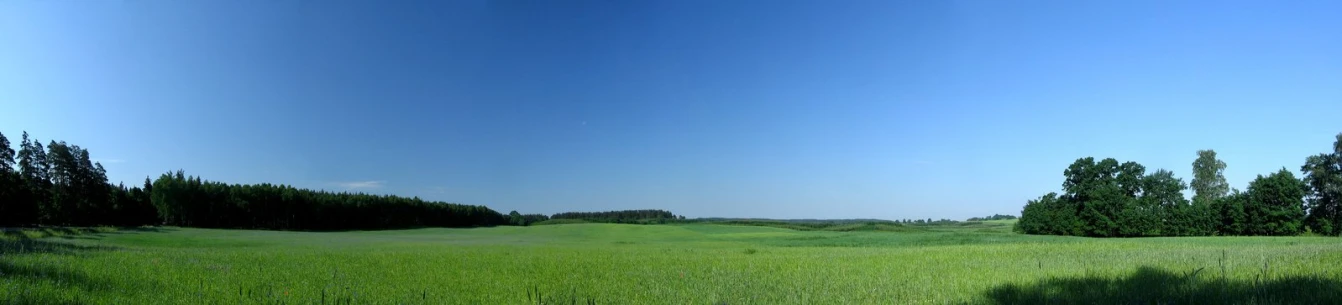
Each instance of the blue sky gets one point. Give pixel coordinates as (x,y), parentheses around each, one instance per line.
(780,109)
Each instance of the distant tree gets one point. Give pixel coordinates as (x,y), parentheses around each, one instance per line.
(191,201)
(1209,181)
(993,217)
(625,216)
(1050,215)
(1276,204)
(529,219)
(515,218)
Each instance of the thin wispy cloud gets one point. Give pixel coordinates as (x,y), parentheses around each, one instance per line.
(361,184)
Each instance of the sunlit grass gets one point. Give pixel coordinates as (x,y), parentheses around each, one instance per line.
(631,264)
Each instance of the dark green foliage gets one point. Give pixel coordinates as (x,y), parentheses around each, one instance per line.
(1323,174)
(993,217)
(518,219)
(1162,206)
(6,155)
(189,201)
(15,206)
(79,189)
(1099,193)
(58,184)
(1107,203)
(1108,199)
(626,216)
(16,209)
(1276,205)
(33,194)
(131,207)
(1197,219)
(1229,213)
(1050,215)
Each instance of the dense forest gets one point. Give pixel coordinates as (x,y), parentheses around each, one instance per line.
(519,219)
(1112,199)
(58,185)
(188,201)
(626,216)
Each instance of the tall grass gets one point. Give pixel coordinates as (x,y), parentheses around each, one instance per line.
(673,264)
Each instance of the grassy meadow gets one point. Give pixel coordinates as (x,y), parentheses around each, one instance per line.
(661,264)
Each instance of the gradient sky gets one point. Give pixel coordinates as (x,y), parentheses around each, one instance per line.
(779,109)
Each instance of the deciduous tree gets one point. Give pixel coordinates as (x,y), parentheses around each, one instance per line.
(1209,181)
(1323,174)
(1276,204)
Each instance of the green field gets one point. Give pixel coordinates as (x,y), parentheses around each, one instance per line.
(662,264)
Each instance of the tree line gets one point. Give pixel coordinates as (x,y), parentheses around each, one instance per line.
(625,216)
(519,219)
(57,184)
(184,200)
(993,217)
(1106,198)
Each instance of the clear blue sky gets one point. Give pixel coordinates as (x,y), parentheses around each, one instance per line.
(780,109)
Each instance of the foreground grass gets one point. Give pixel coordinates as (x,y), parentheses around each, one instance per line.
(663,264)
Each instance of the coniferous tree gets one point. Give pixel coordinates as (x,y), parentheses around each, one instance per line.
(6,154)
(33,167)
(13,191)
(190,201)
(58,184)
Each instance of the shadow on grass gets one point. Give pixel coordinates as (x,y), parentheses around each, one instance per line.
(20,276)
(1155,286)
(144,229)
(42,246)
(70,233)
(44,232)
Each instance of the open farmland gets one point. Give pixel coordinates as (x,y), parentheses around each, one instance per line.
(662,264)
